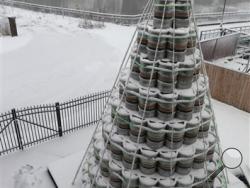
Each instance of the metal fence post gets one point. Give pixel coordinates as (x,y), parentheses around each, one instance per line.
(59,121)
(18,134)
(201,35)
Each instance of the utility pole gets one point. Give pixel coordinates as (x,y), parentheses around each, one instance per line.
(223,15)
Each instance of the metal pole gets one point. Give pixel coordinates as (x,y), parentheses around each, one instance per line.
(248,64)
(223,14)
(59,121)
(17,129)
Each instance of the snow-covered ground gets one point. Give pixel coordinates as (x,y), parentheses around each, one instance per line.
(233,126)
(53,59)
(233,63)
(40,157)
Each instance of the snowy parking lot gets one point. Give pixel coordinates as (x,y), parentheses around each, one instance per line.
(52,60)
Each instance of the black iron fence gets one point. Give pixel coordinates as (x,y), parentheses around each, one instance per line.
(20,128)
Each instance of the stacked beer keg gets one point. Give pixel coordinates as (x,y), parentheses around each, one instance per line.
(157,131)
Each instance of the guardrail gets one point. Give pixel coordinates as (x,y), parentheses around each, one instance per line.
(115,18)
(202,18)
(218,32)
(220,47)
(214,40)
(20,128)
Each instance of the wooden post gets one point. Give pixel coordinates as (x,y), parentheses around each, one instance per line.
(13,28)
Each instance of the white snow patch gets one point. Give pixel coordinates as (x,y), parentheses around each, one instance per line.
(64,178)
(53,59)
(233,63)
(41,156)
(26,177)
(234,128)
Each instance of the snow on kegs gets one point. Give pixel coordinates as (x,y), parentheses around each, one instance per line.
(147,161)
(176,135)
(192,134)
(115,174)
(160,132)
(136,128)
(148,76)
(167,76)
(166,166)
(147,104)
(132,99)
(166,107)
(156,137)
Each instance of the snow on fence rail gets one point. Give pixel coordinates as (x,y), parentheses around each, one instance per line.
(98,16)
(202,18)
(20,128)
(215,33)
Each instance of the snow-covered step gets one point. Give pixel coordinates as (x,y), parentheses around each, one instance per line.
(63,171)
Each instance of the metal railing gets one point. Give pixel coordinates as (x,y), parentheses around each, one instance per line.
(92,15)
(20,128)
(214,33)
(202,18)
(216,38)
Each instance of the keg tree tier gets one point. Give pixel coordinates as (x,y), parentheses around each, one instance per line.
(158,128)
